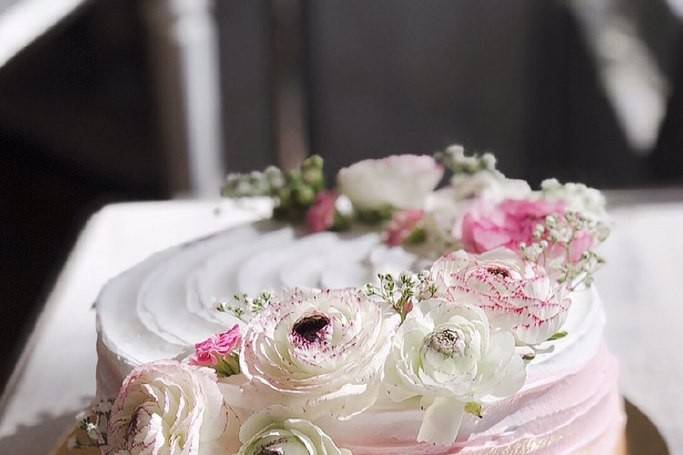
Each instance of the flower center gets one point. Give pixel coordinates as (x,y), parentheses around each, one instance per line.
(309,327)
(499,271)
(446,342)
(278,444)
(273,450)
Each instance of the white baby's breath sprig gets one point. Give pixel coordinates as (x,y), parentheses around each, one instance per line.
(255,183)
(581,198)
(245,308)
(93,427)
(556,237)
(404,292)
(454,158)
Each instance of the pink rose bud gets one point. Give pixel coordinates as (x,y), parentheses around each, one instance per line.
(507,224)
(402,225)
(209,352)
(320,216)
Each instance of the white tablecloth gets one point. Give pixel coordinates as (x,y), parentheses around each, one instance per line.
(642,287)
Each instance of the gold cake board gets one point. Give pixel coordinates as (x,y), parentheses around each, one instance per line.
(641,437)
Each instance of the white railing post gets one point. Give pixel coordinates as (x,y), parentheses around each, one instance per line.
(186,67)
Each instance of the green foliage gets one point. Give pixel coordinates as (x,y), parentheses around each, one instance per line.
(474,408)
(294,191)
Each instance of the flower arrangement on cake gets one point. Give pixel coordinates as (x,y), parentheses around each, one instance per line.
(503,266)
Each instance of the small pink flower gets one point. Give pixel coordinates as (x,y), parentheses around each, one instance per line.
(320,216)
(507,224)
(402,225)
(210,351)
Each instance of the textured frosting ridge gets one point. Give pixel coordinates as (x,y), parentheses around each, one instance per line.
(162,306)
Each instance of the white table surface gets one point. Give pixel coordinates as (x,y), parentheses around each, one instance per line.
(642,287)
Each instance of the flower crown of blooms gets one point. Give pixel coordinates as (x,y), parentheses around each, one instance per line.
(447,341)
(478,209)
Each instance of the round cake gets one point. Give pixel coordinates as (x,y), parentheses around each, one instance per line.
(381,317)
(165,305)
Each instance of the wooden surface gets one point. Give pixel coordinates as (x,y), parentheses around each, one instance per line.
(642,437)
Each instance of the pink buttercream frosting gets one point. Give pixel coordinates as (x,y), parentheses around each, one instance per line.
(576,412)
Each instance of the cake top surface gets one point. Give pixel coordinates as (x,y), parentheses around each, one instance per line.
(391,297)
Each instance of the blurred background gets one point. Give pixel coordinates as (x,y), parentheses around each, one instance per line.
(114,100)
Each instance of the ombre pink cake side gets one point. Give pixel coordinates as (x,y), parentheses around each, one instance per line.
(580,413)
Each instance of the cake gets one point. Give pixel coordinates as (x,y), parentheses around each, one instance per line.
(383,317)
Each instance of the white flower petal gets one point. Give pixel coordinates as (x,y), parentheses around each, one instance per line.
(168,408)
(399,182)
(292,436)
(441,422)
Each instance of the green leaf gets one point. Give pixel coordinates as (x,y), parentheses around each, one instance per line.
(341,222)
(419,235)
(228,366)
(374,216)
(474,408)
(558,335)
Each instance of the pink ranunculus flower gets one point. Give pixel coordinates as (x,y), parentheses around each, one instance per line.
(515,294)
(320,216)
(402,225)
(582,242)
(507,224)
(211,350)
(168,408)
(571,253)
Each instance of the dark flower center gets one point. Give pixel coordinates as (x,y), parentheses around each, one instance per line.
(269,448)
(499,271)
(445,342)
(309,327)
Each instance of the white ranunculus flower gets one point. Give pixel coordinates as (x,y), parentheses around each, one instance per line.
(444,209)
(168,408)
(317,352)
(397,182)
(447,355)
(264,433)
(516,295)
